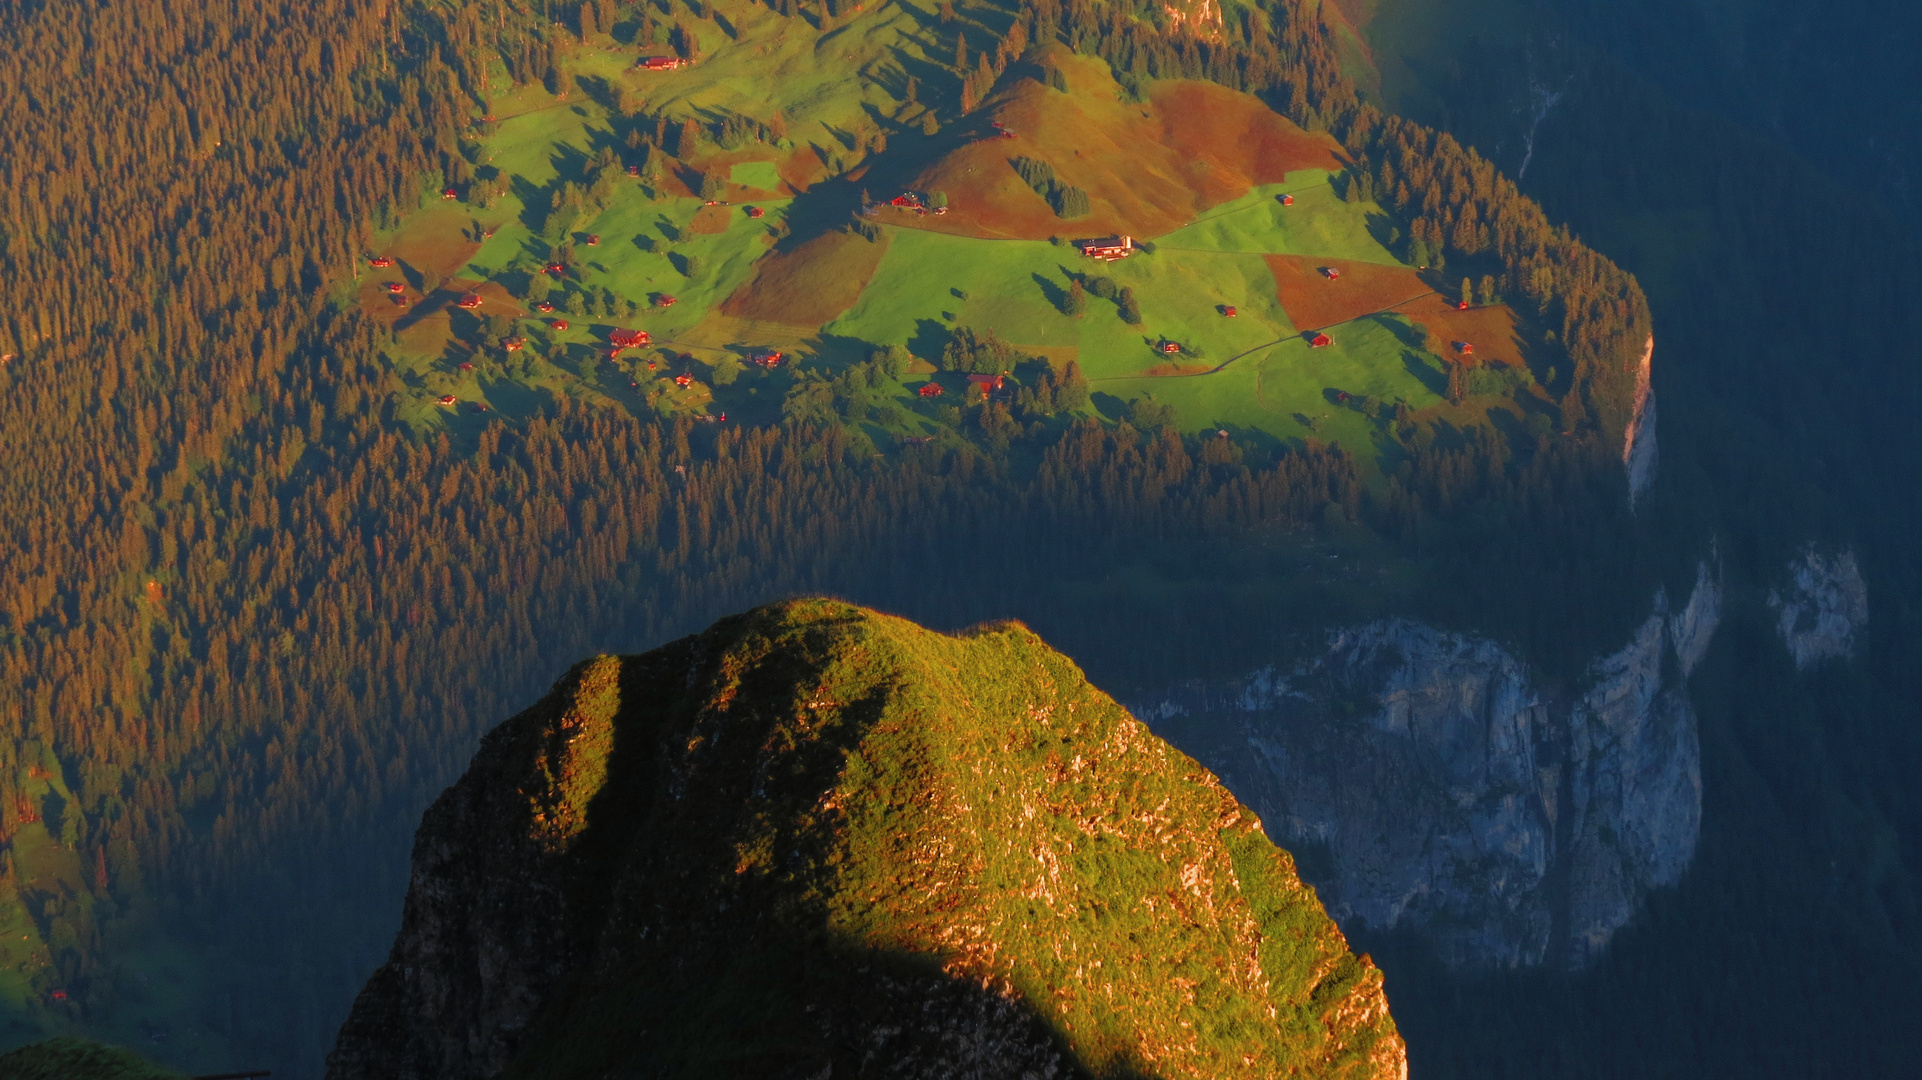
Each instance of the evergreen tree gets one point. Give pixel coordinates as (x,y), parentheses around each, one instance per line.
(1075,301)
(1129,309)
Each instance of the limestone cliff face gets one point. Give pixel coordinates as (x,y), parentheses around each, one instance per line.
(1426,782)
(816,841)
(1639,448)
(1824,605)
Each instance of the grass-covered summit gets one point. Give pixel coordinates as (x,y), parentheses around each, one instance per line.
(818,837)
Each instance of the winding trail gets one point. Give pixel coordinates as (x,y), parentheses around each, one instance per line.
(1296,336)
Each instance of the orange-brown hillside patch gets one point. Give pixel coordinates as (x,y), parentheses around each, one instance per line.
(1491,330)
(1313,301)
(809,285)
(1148,168)
(802,169)
(711,219)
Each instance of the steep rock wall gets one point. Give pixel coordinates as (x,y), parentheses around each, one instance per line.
(1824,605)
(1639,449)
(1425,781)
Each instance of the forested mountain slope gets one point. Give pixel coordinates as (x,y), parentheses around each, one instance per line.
(254,611)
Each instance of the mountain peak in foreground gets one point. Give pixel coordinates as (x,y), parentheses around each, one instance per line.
(816,840)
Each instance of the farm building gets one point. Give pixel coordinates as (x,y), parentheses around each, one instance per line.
(1461,305)
(755,211)
(560,324)
(1320,341)
(1331,273)
(1287,200)
(594,240)
(1228,311)
(543,307)
(907,199)
(627,339)
(633,170)
(380,262)
(513,344)
(661,63)
(683,380)
(447,399)
(556,269)
(1464,348)
(396,287)
(664,301)
(450,193)
(1107,248)
(988,383)
(1171,346)
(468,302)
(930,390)
(466,365)
(769,360)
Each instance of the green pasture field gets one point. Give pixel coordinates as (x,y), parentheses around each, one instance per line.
(1253,373)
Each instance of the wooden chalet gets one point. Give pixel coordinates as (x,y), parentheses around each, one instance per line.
(661,63)
(1107,248)
(557,269)
(664,301)
(755,211)
(594,240)
(1331,273)
(770,359)
(1287,200)
(1320,341)
(988,383)
(469,302)
(560,324)
(683,381)
(907,200)
(1464,348)
(1461,305)
(396,288)
(1171,346)
(627,339)
(448,399)
(380,262)
(1228,311)
(543,307)
(930,390)
(465,365)
(449,193)
(513,344)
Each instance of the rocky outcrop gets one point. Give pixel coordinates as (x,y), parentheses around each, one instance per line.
(816,841)
(1823,607)
(1427,782)
(1639,453)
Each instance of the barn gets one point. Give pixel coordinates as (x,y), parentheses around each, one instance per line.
(930,390)
(1107,248)
(1287,200)
(1331,273)
(468,302)
(1321,341)
(627,339)
(1171,346)
(988,383)
(661,63)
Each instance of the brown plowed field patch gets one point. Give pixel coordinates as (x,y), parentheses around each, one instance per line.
(1172,368)
(1491,330)
(809,285)
(802,170)
(1148,168)
(1313,302)
(712,219)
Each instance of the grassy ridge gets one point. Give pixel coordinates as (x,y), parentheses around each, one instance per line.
(865,823)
